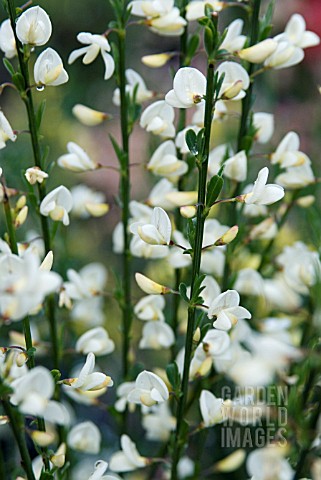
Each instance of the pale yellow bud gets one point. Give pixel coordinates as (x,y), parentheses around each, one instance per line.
(4,420)
(43,439)
(188,211)
(149,286)
(258,53)
(21,217)
(156,61)
(47,262)
(233,90)
(182,199)
(205,368)
(228,237)
(231,462)
(21,202)
(197,335)
(21,359)
(89,117)
(306,201)
(97,209)
(58,460)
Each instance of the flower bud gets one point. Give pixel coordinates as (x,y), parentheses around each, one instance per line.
(182,199)
(188,211)
(47,262)
(157,60)
(21,217)
(43,439)
(228,237)
(21,359)
(149,286)
(89,117)
(306,201)
(21,202)
(197,335)
(59,458)
(97,209)
(231,462)
(258,53)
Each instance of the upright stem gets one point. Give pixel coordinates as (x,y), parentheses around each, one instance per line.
(18,429)
(197,251)
(28,101)
(125,198)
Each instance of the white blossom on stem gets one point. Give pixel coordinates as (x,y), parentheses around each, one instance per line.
(158,231)
(236,81)
(76,160)
(189,88)
(128,458)
(33,27)
(262,193)
(149,390)
(49,70)
(57,204)
(95,340)
(295,32)
(164,161)
(135,83)
(158,118)
(85,437)
(6,132)
(211,408)
(7,40)
(95,44)
(227,311)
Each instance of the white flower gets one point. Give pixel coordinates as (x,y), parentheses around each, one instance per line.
(236,81)
(141,249)
(23,285)
(159,423)
(196,8)
(95,340)
(87,116)
(296,177)
(57,204)
(35,174)
(87,283)
(296,33)
(7,40)
(158,118)
(49,70)
(264,125)
(249,282)
(215,343)
(285,55)
(149,390)
(165,162)
(128,459)
(259,52)
(157,335)
(262,193)
(158,194)
(269,462)
(100,469)
(88,202)
(189,88)
(122,393)
(6,132)
(162,16)
(150,308)
(287,153)
(96,43)
(76,159)
(88,380)
(227,311)
(217,156)
(84,437)
(135,83)
(158,231)
(235,167)
(33,27)
(32,393)
(233,40)
(211,408)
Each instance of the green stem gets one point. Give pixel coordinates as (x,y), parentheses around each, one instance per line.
(18,428)
(10,226)
(125,198)
(28,101)
(197,252)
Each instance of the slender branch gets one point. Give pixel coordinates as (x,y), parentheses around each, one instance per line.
(197,251)
(28,101)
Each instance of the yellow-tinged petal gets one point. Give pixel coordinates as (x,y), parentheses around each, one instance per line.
(231,462)
(43,439)
(149,286)
(97,209)
(156,61)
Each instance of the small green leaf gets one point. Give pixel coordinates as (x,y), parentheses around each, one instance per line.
(8,65)
(191,141)
(208,41)
(214,188)
(121,155)
(173,375)
(192,46)
(40,113)
(190,232)
(18,81)
(183,292)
